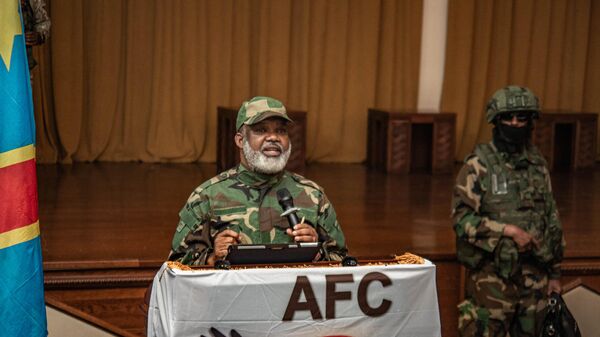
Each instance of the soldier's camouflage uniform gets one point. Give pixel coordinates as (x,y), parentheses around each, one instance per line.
(505,290)
(246,202)
(35,19)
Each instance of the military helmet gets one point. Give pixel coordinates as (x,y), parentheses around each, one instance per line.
(512,98)
(258,109)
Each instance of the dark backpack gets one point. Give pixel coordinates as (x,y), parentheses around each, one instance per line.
(558,321)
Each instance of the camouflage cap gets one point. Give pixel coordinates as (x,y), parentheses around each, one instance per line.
(512,98)
(258,109)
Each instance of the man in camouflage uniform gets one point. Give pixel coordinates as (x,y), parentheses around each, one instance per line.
(508,233)
(37,26)
(240,206)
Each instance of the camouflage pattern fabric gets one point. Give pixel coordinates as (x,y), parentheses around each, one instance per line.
(35,19)
(246,202)
(494,189)
(495,306)
(511,99)
(258,109)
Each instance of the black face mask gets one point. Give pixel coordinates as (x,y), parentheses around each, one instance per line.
(513,134)
(511,139)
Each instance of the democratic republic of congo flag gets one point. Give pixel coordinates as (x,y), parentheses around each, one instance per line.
(22,308)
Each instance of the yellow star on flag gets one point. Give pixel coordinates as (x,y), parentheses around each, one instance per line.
(10,25)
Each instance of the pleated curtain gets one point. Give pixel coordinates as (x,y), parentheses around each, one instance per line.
(140,80)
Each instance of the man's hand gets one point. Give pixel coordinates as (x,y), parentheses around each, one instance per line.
(554,286)
(222,241)
(523,239)
(32,38)
(303,232)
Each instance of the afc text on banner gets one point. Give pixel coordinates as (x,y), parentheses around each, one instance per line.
(364,301)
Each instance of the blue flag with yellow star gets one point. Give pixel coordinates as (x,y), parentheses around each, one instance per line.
(22,308)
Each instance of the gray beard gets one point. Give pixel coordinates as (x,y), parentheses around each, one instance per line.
(260,163)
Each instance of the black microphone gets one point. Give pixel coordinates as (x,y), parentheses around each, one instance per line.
(287,203)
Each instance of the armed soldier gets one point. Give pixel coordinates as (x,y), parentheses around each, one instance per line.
(240,206)
(508,235)
(37,26)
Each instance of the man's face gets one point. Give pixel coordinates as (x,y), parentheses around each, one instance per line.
(515,119)
(265,145)
(515,127)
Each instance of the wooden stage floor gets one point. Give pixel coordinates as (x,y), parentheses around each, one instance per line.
(107,227)
(126,213)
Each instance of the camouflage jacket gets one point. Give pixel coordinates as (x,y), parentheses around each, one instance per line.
(246,202)
(494,189)
(36,17)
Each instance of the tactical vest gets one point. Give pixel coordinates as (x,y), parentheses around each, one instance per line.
(513,194)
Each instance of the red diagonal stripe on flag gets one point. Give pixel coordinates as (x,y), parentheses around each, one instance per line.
(18,196)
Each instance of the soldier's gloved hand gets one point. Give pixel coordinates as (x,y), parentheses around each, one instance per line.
(222,241)
(523,239)
(303,232)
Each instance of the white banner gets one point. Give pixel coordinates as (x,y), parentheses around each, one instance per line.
(364,301)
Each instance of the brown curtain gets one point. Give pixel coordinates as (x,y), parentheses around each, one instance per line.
(140,80)
(550,46)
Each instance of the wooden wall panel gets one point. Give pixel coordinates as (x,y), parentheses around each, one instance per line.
(390,144)
(583,144)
